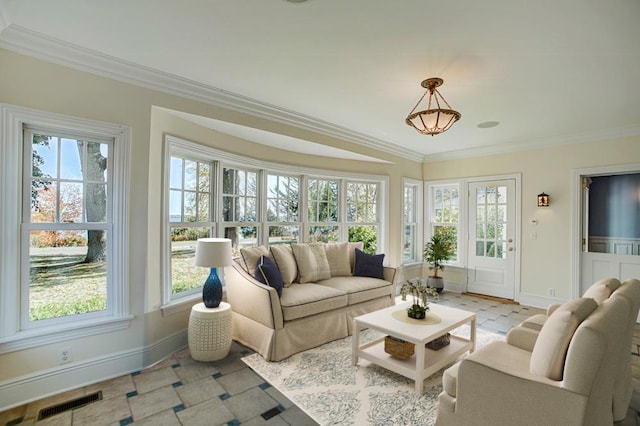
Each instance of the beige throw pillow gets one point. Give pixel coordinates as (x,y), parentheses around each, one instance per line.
(338,258)
(352,253)
(251,256)
(312,262)
(549,352)
(601,290)
(283,256)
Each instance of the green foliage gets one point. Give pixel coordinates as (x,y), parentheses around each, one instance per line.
(366,234)
(61,309)
(184,285)
(189,234)
(437,251)
(36,162)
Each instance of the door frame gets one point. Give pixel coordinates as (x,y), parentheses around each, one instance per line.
(517,177)
(508,263)
(576,215)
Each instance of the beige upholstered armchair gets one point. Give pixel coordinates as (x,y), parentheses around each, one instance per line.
(568,376)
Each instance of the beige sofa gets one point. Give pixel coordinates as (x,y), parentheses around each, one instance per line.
(571,373)
(309,312)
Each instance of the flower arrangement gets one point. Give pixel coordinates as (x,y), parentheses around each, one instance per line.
(420,292)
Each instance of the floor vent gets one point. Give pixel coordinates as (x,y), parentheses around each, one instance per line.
(69,405)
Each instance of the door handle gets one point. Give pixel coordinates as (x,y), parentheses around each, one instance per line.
(510,240)
(510,248)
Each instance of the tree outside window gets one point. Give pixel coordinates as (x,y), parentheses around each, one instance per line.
(322,210)
(190,218)
(445,213)
(362,214)
(239,207)
(68,225)
(282,208)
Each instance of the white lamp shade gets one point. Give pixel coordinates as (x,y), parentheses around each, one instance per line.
(213,252)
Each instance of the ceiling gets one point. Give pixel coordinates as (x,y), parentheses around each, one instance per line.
(550,72)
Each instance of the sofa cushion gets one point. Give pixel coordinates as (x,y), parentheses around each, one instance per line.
(359,289)
(338,258)
(312,262)
(251,256)
(601,290)
(283,256)
(303,300)
(368,265)
(352,253)
(267,272)
(547,358)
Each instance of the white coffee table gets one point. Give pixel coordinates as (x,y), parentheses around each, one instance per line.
(425,361)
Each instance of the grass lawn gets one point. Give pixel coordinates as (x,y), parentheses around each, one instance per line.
(62,284)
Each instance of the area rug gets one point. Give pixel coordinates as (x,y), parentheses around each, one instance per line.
(323,383)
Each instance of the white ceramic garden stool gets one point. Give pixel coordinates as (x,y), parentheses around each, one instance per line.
(210,332)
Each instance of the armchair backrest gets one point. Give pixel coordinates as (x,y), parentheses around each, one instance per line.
(629,289)
(593,358)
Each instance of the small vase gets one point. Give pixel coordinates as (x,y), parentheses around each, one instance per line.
(212,290)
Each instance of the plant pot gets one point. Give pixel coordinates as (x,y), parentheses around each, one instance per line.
(417,312)
(436,282)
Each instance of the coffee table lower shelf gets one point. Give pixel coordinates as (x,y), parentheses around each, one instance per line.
(433,360)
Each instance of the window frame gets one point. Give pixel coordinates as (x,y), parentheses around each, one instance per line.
(417,212)
(229,160)
(340,208)
(168,297)
(28,225)
(267,223)
(13,335)
(461,226)
(258,223)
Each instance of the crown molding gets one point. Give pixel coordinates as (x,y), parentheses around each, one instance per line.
(32,43)
(544,143)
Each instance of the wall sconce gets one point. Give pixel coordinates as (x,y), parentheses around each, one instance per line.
(543,200)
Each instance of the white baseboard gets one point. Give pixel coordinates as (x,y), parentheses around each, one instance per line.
(455,286)
(32,387)
(536,301)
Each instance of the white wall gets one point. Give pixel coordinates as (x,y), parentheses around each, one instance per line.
(546,261)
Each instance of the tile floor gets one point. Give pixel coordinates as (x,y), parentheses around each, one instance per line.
(181,391)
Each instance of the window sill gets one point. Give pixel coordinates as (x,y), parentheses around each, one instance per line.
(185,303)
(44,336)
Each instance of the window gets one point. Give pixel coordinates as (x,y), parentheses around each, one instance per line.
(411,242)
(190,217)
(491,221)
(444,215)
(282,208)
(65,227)
(66,274)
(362,214)
(240,207)
(215,193)
(322,210)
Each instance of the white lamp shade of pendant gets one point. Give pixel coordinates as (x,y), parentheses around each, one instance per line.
(213,252)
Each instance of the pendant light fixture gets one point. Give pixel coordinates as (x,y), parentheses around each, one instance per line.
(434,119)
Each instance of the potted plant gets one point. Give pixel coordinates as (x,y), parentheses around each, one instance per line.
(436,252)
(420,292)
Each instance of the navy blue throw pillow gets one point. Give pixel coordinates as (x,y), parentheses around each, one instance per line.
(368,265)
(267,272)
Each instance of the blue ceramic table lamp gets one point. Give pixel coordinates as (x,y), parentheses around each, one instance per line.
(213,253)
